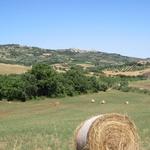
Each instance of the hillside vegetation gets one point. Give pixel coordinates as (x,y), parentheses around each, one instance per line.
(17,54)
(129,73)
(43,80)
(67,94)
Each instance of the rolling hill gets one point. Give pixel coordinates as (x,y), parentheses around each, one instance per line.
(25,55)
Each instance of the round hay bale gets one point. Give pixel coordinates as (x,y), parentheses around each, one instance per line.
(126,102)
(103,102)
(92,100)
(107,132)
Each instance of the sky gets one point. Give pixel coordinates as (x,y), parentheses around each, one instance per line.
(115,26)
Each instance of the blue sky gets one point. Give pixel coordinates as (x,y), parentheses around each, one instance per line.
(120,26)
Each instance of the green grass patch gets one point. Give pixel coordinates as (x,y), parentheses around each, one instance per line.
(141,84)
(49,124)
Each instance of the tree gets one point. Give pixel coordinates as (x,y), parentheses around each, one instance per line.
(44,74)
(30,85)
(49,82)
(12,88)
(78,80)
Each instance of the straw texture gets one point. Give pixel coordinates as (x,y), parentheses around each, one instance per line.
(107,132)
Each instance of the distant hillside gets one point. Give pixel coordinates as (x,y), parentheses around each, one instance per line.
(25,55)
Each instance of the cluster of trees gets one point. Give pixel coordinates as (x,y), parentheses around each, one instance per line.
(42,80)
(128,66)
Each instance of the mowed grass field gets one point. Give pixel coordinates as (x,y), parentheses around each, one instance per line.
(13,69)
(49,124)
(144,84)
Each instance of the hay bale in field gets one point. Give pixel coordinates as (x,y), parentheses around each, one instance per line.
(103,102)
(107,132)
(126,102)
(92,100)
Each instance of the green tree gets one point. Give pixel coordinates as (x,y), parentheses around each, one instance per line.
(13,88)
(44,74)
(78,80)
(30,85)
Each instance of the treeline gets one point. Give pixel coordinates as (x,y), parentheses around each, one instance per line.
(43,80)
(128,66)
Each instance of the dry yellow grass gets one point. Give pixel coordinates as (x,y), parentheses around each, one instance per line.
(85,65)
(127,73)
(62,67)
(107,131)
(13,69)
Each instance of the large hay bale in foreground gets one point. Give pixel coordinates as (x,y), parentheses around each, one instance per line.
(107,132)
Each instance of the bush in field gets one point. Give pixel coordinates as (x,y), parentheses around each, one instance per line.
(125,89)
(30,85)
(67,85)
(77,80)
(20,87)
(55,87)
(45,77)
(12,88)
(103,87)
(1,95)
(97,84)
(1,79)
(94,84)
(43,80)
